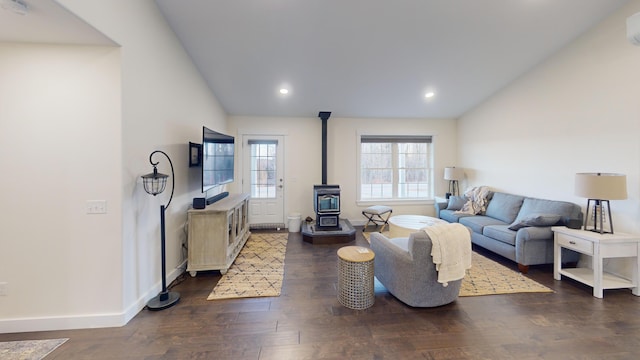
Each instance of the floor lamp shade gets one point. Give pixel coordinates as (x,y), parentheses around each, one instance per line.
(599,188)
(154,183)
(453,174)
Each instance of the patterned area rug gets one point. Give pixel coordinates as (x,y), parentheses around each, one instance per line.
(487,277)
(257,271)
(28,350)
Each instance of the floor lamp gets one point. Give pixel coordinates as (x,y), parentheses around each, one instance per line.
(154,184)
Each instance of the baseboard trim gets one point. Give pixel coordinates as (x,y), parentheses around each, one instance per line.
(87,321)
(62,323)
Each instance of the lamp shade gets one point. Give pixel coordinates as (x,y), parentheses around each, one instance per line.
(602,186)
(453,173)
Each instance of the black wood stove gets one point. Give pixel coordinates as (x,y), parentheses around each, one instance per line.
(326,203)
(328,227)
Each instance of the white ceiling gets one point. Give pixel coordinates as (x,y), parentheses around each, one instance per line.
(372,58)
(356,58)
(47,22)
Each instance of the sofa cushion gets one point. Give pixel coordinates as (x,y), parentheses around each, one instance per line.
(535,220)
(456,202)
(451,215)
(477,222)
(504,207)
(531,206)
(500,233)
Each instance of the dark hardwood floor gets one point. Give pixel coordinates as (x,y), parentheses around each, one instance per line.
(308,322)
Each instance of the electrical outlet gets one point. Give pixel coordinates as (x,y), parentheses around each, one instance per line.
(4,289)
(96,206)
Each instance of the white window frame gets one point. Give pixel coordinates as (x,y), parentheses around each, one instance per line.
(395,200)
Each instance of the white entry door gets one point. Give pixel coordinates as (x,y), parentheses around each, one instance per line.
(263,178)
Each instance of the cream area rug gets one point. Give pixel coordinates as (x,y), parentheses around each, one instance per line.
(487,277)
(257,271)
(29,349)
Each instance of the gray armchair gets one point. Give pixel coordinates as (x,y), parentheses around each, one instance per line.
(405,267)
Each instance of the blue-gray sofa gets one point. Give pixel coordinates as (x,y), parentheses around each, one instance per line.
(514,226)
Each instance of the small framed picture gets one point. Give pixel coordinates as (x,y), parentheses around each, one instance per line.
(195,154)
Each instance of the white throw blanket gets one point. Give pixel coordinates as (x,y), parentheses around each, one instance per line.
(477,200)
(451,250)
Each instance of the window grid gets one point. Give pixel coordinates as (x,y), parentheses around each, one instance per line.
(263,170)
(395,170)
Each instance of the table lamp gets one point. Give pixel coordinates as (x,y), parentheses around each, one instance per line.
(599,188)
(453,174)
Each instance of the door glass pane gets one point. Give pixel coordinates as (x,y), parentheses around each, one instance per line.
(263,171)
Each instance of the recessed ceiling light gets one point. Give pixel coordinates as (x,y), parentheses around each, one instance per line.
(284,91)
(430,94)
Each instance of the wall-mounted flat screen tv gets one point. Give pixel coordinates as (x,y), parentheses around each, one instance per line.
(217,158)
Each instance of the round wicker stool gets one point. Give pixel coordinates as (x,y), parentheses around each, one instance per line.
(355,277)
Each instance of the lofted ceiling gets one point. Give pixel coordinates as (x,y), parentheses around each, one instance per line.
(356,58)
(46,21)
(372,58)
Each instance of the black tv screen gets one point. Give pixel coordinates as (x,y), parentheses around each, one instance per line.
(217,158)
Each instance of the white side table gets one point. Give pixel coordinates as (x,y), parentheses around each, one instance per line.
(598,246)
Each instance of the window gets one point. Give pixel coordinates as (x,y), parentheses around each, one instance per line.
(263,168)
(395,167)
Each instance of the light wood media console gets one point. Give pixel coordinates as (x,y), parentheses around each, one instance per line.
(217,233)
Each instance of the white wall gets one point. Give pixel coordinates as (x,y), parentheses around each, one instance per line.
(342,163)
(576,112)
(302,153)
(60,136)
(146,95)
(165,104)
(303,156)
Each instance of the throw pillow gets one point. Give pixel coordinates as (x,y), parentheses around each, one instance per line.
(536,220)
(456,202)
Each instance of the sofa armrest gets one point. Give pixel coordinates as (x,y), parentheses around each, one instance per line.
(534,245)
(439,205)
(534,233)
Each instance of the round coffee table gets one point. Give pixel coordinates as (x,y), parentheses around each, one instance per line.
(403,225)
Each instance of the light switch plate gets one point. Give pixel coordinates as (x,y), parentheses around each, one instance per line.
(96,206)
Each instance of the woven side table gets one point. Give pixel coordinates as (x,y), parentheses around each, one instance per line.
(355,277)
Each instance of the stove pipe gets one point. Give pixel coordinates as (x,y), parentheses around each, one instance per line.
(324,116)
